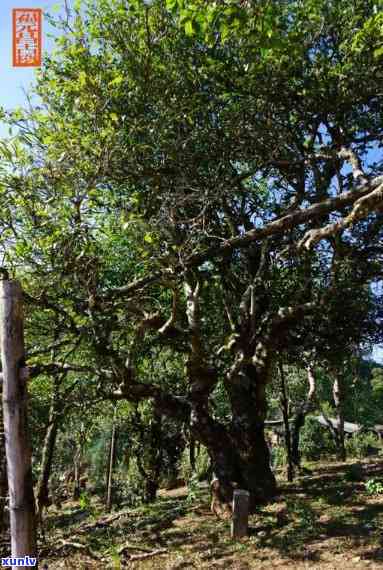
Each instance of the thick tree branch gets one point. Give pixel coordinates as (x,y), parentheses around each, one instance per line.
(174,406)
(276,227)
(275,325)
(361,208)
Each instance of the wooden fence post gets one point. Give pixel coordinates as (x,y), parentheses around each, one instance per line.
(18,451)
(3,471)
(239,524)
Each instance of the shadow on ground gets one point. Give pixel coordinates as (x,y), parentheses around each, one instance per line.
(316,520)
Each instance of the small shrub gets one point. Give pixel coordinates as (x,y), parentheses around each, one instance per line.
(278,457)
(84,501)
(315,441)
(128,485)
(307,518)
(374,487)
(202,465)
(361,445)
(193,486)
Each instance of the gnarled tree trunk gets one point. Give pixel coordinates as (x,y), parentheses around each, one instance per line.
(239,453)
(46,465)
(252,458)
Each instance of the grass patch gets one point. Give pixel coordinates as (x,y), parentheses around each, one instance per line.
(327,519)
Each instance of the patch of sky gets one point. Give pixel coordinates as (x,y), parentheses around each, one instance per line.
(17,81)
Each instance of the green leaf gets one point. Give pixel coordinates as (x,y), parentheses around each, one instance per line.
(5,151)
(82,77)
(116,81)
(171,4)
(148,238)
(189,28)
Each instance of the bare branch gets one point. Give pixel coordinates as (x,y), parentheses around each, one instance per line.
(54,367)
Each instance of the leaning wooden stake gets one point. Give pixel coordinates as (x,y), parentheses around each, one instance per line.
(112,459)
(239,525)
(18,452)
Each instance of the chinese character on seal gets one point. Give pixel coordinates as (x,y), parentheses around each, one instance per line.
(27,37)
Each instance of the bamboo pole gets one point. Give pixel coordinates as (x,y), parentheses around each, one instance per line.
(17,447)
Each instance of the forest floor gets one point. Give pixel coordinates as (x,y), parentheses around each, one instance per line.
(326,520)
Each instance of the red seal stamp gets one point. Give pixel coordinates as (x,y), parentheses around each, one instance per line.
(27,37)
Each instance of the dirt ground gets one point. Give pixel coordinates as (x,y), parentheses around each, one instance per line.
(325,521)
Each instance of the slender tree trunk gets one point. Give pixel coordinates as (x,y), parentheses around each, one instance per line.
(338,401)
(111,463)
(77,472)
(192,453)
(285,413)
(154,464)
(18,451)
(149,463)
(47,455)
(157,447)
(3,471)
(300,417)
(151,488)
(78,466)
